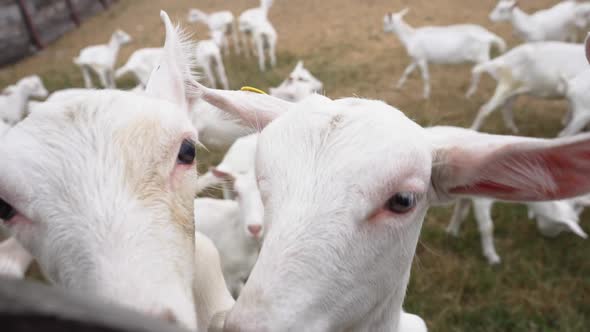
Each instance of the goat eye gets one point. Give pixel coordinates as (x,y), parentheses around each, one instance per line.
(187,153)
(401,203)
(6,210)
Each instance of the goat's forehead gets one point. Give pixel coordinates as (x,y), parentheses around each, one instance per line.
(346,133)
(97,117)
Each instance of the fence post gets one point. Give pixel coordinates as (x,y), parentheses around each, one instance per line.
(29,23)
(73,12)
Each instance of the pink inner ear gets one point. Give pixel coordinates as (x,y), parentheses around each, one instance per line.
(533,175)
(219,174)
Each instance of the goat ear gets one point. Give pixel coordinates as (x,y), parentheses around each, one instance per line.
(172,77)
(219,173)
(404,12)
(299,65)
(512,168)
(574,227)
(252,109)
(514,4)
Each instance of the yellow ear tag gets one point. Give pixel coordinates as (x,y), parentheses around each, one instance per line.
(251,89)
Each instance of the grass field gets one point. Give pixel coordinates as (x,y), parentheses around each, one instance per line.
(541,285)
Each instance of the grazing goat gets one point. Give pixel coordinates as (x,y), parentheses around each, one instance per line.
(553,218)
(141,64)
(13,103)
(100,189)
(209,59)
(557,23)
(101,60)
(222,23)
(339,229)
(536,69)
(576,92)
(300,84)
(454,44)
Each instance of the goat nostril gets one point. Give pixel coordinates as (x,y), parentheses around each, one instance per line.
(168,316)
(254,229)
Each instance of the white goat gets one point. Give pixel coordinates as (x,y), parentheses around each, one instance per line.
(557,23)
(13,103)
(141,64)
(221,22)
(300,84)
(209,59)
(576,92)
(101,60)
(454,44)
(127,224)
(552,217)
(536,69)
(339,229)
(3,127)
(257,30)
(235,227)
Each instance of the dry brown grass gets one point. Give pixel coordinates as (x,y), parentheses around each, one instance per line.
(542,284)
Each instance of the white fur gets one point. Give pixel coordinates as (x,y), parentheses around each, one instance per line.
(557,23)
(223,222)
(103,202)
(209,60)
(335,256)
(300,84)
(552,218)
(454,44)
(536,69)
(141,64)
(3,128)
(101,60)
(221,23)
(257,30)
(576,92)
(13,103)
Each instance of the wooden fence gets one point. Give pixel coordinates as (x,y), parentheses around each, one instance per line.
(27,26)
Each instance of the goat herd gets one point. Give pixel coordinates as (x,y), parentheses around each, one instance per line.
(99,186)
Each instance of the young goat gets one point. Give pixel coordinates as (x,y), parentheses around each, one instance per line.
(455,44)
(552,217)
(221,22)
(257,30)
(209,59)
(141,64)
(536,69)
(13,103)
(101,60)
(300,84)
(576,92)
(322,252)
(125,231)
(557,23)
(235,227)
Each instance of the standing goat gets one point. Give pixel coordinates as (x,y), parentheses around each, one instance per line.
(221,22)
(258,31)
(101,60)
(454,44)
(209,59)
(125,231)
(536,69)
(557,23)
(576,92)
(552,217)
(322,251)
(300,84)
(141,64)
(13,103)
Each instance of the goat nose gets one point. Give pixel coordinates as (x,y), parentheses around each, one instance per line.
(254,229)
